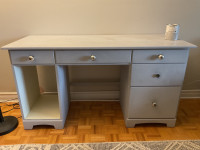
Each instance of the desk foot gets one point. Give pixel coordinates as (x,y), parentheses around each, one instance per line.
(28,126)
(57,124)
(130,123)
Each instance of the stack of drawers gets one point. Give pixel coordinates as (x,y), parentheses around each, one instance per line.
(156,80)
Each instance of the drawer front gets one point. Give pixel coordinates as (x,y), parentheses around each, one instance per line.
(153,102)
(157,74)
(32,57)
(94,57)
(160,56)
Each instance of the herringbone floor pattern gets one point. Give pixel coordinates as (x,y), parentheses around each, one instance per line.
(103,122)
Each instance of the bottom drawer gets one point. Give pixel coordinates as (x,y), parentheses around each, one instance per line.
(153,102)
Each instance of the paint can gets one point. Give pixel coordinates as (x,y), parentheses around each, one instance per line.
(172,31)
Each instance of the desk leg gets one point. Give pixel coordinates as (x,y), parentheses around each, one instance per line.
(125,81)
(63,88)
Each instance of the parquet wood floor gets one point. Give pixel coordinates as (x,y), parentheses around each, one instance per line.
(103,122)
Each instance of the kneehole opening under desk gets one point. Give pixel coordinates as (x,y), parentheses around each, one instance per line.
(93,82)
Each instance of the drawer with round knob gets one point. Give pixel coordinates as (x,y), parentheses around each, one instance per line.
(32,57)
(157,74)
(160,56)
(94,57)
(153,102)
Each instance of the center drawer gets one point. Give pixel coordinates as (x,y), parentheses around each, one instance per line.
(157,74)
(94,57)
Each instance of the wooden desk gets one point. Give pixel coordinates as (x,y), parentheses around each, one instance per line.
(152,74)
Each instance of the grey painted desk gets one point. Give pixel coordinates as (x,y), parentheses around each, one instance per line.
(152,74)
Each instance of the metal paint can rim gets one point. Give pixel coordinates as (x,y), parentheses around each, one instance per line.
(172,25)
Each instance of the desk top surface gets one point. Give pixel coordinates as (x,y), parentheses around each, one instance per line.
(63,42)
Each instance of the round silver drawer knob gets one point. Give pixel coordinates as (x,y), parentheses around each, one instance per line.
(31,58)
(160,56)
(154,104)
(93,57)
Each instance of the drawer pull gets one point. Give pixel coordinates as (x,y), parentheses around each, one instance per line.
(31,58)
(154,104)
(93,57)
(156,75)
(160,56)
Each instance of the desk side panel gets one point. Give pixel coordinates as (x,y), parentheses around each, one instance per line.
(125,81)
(62,84)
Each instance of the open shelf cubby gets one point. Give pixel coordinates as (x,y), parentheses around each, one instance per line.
(36,103)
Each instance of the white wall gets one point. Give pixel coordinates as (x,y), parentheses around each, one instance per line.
(19,18)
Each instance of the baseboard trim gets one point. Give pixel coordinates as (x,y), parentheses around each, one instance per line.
(96,95)
(4,96)
(8,93)
(75,96)
(101,95)
(190,94)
